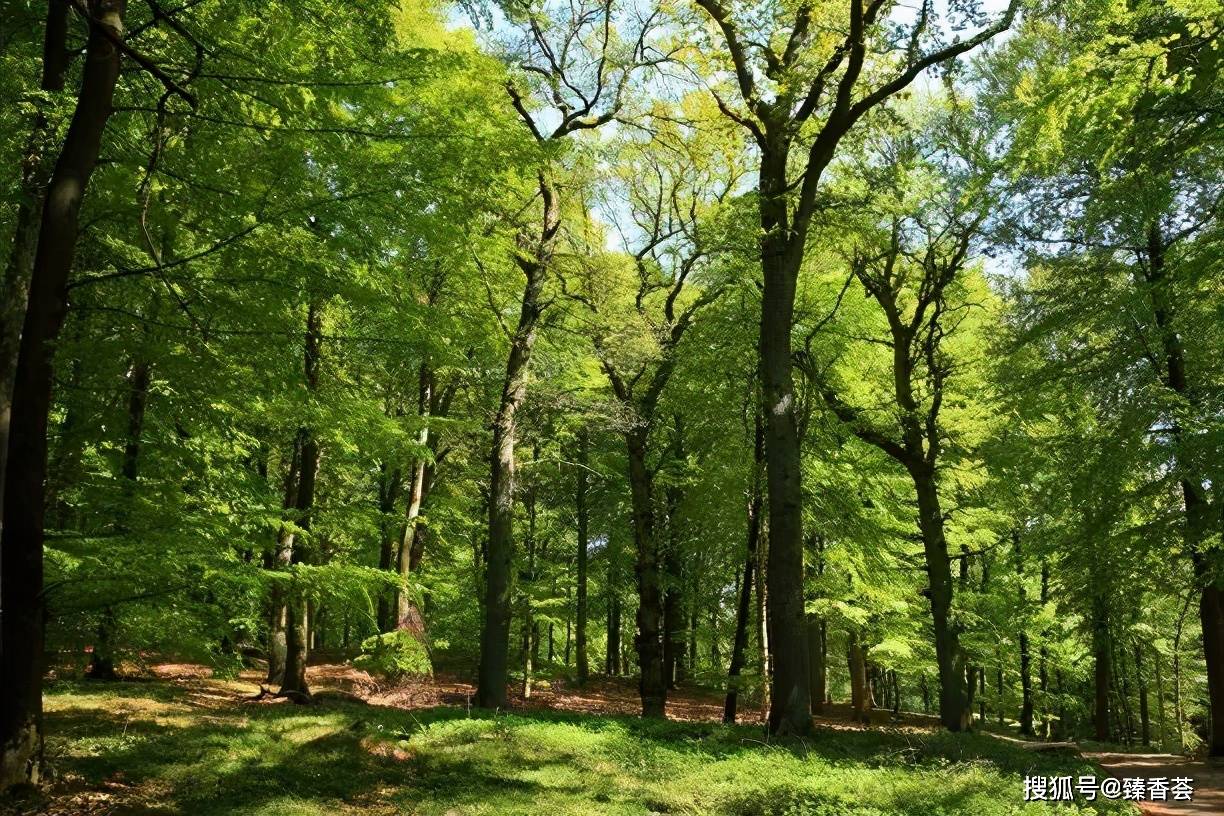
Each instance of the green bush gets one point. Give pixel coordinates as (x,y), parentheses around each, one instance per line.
(394,655)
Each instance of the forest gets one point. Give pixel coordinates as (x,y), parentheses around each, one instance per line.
(609,406)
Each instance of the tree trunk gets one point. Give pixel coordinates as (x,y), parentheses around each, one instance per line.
(495,629)
(580,502)
(790,711)
(297,631)
(1197,508)
(1026,687)
(860,694)
(1160,704)
(743,609)
(102,658)
(1178,713)
(612,657)
(948,655)
(673,597)
(761,590)
(1101,672)
(21,546)
(816,653)
(1043,672)
(531,632)
(35,169)
(388,494)
(652,684)
(1145,725)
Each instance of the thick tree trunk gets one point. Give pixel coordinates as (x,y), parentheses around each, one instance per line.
(648,642)
(790,696)
(948,655)
(580,503)
(21,546)
(35,169)
(495,629)
(1211,618)
(1176,379)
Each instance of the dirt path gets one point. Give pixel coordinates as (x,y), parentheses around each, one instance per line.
(1208,781)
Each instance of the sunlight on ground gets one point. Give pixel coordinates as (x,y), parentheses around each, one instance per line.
(176,747)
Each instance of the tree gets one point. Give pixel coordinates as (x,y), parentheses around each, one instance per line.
(556,60)
(784,77)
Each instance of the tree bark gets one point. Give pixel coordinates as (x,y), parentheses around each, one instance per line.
(743,609)
(612,658)
(790,711)
(1026,660)
(531,633)
(1145,725)
(1155,284)
(580,503)
(495,629)
(860,693)
(673,596)
(816,653)
(1101,672)
(389,486)
(21,546)
(35,168)
(102,658)
(948,655)
(297,631)
(652,685)
(281,560)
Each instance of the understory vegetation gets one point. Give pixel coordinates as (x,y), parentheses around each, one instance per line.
(164,749)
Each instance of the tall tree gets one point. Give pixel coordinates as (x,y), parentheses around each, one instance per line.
(786,75)
(554,60)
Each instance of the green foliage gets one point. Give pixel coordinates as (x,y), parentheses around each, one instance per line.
(395,655)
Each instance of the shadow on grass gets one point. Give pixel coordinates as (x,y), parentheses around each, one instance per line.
(154,749)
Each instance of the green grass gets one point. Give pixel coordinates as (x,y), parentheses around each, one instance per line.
(158,748)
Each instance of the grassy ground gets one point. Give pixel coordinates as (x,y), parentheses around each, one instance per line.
(167,748)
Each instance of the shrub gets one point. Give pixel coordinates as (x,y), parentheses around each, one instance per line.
(394,655)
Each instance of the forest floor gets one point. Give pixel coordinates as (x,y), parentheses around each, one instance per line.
(182,742)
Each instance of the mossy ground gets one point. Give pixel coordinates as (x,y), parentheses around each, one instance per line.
(166,748)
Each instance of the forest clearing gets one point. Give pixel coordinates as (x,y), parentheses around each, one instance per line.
(746,407)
